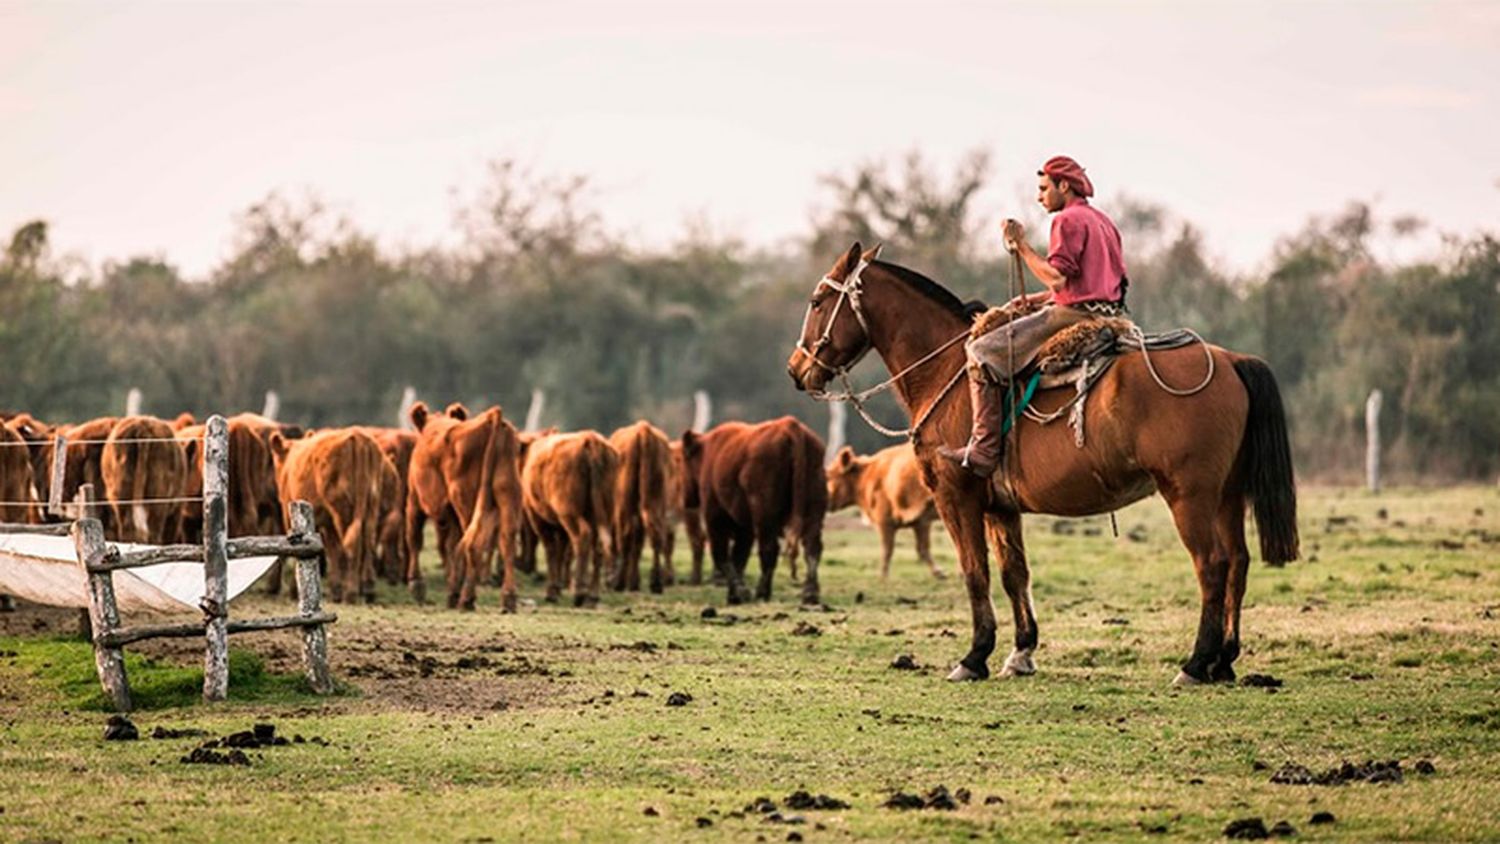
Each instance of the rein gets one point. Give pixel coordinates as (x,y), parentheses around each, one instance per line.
(849,291)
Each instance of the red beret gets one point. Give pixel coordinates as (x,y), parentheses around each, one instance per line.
(1061,168)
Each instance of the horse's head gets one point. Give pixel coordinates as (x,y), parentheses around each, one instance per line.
(834,332)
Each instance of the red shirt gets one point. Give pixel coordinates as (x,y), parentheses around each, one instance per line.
(1085,248)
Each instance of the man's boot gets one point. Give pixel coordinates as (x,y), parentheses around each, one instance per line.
(986,444)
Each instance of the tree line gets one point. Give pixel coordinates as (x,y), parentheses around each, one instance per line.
(539,292)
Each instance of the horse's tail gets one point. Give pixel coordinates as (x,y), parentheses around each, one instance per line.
(1266,463)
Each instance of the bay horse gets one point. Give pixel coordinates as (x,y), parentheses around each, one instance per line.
(1208,454)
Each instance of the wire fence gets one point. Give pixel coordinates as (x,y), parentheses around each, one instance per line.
(55,502)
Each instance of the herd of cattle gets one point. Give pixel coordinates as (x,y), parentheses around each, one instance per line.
(596,505)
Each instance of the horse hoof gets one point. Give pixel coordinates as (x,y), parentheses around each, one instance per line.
(1018,664)
(961,674)
(1186,679)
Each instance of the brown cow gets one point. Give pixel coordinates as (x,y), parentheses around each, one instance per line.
(252,481)
(645,462)
(888,488)
(16,484)
(568,489)
(754,482)
(464,474)
(338,473)
(141,464)
(80,463)
(397,446)
(690,517)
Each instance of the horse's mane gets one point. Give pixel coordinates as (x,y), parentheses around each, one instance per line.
(934,291)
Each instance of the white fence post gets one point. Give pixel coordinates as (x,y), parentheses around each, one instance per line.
(403,413)
(534,412)
(272,407)
(133,402)
(1372,441)
(837,417)
(703,408)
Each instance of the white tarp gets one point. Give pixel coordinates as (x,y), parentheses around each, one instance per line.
(45,570)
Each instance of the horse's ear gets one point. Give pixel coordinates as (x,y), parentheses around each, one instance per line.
(872,253)
(458,411)
(846,457)
(851,258)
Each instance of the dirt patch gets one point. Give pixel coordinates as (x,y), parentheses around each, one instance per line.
(1371,771)
(938,798)
(802,801)
(119,728)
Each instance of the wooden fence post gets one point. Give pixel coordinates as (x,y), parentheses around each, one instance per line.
(215,559)
(310,602)
(59,474)
(1372,441)
(88,542)
(85,510)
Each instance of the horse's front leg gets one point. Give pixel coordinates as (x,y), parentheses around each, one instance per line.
(1015,577)
(963,515)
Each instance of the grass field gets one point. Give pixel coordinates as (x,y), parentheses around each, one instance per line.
(554,724)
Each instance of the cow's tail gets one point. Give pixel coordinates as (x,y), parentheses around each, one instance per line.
(603,469)
(358,536)
(652,485)
(135,455)
(244,466)
(1266,463)
(479,538)
(629,493)
(803,464)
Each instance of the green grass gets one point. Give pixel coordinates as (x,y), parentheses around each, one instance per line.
(528,727)
(62,669)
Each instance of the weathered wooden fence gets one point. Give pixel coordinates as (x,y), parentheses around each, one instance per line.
(100,559)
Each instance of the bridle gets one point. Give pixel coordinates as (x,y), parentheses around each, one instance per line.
(849,291)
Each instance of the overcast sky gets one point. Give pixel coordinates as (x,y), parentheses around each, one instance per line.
(143,128)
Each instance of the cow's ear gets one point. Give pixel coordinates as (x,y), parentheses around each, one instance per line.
(418,415)
(457,411)
(278,446)
(183,420)
(846,457)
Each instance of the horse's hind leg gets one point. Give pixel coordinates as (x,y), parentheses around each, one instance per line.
(1195,516)
(1015,576)
(1229,541)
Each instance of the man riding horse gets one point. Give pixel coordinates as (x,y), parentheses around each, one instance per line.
(1084,276)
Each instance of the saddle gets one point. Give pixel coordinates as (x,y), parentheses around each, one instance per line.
(1061,359)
